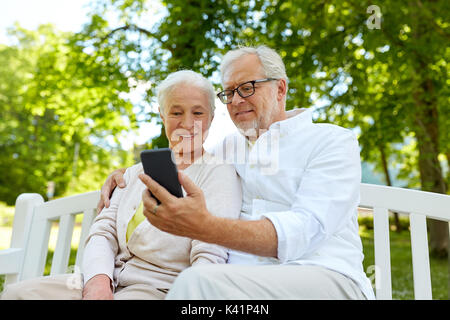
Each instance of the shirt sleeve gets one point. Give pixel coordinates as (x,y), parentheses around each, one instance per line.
(327,197)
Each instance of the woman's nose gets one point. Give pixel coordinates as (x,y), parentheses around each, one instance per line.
(187,121)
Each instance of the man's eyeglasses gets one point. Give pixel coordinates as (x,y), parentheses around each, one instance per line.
(245,90)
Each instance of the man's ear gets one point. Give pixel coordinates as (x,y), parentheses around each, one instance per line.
(282,89)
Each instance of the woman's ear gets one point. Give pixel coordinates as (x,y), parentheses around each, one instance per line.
(161,115)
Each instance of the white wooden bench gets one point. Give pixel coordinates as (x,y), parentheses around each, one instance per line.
(33,218)
(419,205)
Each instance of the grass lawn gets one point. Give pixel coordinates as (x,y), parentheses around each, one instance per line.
(401,263)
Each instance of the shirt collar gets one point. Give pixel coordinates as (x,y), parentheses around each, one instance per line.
(296,119)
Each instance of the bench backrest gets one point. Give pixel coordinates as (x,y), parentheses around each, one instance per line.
(33,219)
(31,231)
(419,205)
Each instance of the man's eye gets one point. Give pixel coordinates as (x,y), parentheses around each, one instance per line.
(246,88)
(228,93)
(198,113)
(176,113)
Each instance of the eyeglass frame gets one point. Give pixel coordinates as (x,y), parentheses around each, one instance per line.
(221,93)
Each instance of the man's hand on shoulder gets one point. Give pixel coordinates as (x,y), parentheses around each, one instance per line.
(113,180)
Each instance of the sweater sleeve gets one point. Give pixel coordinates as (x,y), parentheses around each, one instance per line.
(102,244)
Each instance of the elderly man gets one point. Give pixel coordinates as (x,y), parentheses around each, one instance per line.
(297,236)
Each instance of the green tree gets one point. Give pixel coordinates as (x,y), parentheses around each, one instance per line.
(58,105)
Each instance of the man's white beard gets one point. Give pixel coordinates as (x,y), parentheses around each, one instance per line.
(248,129)
(252,129)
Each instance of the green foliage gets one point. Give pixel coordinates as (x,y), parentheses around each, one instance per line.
(6,215)
(390,84)
(58,105)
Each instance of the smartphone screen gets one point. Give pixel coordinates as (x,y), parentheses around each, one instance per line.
(160,166)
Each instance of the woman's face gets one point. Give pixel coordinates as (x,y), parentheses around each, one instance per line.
(187,118)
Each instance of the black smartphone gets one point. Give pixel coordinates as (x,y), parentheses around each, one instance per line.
(160,166)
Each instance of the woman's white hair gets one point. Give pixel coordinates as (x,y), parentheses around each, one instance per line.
(183,77)
(271,61)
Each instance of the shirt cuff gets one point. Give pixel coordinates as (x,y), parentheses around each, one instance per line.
(296,234)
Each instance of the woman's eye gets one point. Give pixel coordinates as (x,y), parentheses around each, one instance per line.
(198,113)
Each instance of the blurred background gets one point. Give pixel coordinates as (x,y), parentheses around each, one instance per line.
(77,80)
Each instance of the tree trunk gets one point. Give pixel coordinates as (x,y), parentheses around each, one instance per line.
(447,178)
(427,134)
(426,123)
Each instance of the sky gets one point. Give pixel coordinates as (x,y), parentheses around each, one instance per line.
(69,15)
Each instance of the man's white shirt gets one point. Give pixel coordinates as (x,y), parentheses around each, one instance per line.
(305,178)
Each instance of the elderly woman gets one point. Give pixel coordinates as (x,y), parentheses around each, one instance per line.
(125,256)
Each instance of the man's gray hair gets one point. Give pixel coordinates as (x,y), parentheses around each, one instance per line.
(271,61)
(184,77)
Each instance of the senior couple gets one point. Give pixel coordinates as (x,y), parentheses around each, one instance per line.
(239,232)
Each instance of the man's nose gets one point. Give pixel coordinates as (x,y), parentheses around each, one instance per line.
(236,99)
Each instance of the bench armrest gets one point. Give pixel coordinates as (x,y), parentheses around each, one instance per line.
(11,260)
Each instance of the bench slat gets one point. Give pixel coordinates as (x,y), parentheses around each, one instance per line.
(88,218)
(382,254)
(36,249)
(420,257)
(63,244)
